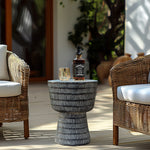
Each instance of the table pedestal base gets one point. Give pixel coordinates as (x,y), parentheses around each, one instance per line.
(72,129)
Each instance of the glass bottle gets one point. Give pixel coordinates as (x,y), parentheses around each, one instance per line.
(78,65)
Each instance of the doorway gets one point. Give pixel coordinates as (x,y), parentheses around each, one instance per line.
(29,34)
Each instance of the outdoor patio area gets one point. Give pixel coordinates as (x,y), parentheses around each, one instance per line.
(43,124)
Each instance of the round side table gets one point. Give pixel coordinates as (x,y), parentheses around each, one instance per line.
(72,99)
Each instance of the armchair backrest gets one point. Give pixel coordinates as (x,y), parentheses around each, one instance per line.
(18,69)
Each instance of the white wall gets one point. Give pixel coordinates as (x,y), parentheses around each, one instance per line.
(137,35)
(64,20)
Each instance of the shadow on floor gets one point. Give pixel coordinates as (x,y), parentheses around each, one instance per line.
(11,139)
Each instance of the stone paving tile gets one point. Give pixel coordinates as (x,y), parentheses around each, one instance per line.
(8,134)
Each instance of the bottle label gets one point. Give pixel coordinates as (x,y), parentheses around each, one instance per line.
(78,70)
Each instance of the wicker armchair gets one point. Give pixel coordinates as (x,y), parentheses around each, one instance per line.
(15,108)
(130,115)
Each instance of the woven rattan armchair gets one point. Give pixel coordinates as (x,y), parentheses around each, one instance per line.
(130,115)
(15,108)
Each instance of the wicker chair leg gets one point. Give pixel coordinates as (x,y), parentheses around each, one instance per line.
(115,135)
(1,124)
(26,129)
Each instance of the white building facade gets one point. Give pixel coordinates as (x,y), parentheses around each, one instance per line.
(137,35)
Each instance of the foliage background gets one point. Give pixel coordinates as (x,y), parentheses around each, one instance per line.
(103,22)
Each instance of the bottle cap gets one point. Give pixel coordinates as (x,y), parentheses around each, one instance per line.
(79,50)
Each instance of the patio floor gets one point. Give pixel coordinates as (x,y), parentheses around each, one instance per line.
(43,124)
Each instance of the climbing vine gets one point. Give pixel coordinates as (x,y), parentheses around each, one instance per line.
(103,22)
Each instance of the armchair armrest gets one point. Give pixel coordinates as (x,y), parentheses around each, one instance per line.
(18,70)
(130,72)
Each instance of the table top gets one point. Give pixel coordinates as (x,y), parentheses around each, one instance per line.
(72,81)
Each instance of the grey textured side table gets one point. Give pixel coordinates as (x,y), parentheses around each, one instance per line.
(72,99)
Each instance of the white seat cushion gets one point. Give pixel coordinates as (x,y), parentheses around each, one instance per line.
(9,88)
(3,63)
(139,93)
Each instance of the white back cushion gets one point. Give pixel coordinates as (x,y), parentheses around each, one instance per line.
(3,63)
